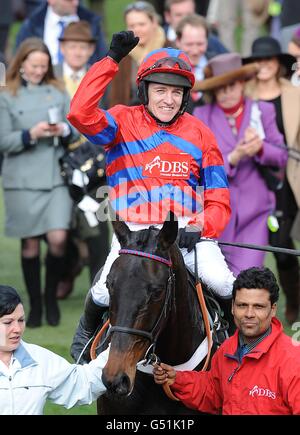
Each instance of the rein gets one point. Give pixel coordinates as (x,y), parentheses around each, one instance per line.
(163,314)
(265,248)
(149,335)
(204,312)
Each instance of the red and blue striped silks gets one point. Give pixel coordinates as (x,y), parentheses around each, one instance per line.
(152,169)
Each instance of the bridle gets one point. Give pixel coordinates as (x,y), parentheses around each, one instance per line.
(150,356)
(151,335)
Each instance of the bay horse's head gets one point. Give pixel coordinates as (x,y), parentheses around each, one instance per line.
(140,285)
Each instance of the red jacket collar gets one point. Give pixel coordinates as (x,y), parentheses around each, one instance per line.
(262,347)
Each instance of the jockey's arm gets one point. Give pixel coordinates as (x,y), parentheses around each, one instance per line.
(98,125)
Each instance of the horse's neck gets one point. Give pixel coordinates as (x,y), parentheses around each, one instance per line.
(183,325)
(186,301)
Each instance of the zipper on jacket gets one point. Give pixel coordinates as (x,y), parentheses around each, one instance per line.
(233,373)
(239,364)
(11,395)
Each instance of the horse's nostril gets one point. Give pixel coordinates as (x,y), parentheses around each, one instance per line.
(122,385)
(119,385)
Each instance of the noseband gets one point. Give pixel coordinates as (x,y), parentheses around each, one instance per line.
(151,336)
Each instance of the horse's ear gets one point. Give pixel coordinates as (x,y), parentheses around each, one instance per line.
(168,233)
(121,231)
(120,228)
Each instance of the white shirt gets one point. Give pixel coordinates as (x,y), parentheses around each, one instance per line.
(171,34)
(52,31)
(69,72)
(36,374)
(198,70)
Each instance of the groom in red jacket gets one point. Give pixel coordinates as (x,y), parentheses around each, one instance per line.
(257,370)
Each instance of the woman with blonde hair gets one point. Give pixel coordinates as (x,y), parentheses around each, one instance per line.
(33,132)
(271,85)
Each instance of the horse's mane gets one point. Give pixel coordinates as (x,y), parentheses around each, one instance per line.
(144,237)
(191,296)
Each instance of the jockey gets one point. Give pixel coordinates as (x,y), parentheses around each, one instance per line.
(158,158)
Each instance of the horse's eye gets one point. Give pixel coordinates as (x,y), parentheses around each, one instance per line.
(156,292)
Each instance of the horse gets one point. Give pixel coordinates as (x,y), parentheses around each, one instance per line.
(153,310)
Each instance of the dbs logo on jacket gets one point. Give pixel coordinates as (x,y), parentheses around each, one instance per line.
(174,166)
(262,392)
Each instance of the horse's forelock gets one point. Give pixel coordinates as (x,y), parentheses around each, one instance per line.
(145,238)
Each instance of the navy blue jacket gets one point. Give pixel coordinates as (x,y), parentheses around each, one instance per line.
(34,26)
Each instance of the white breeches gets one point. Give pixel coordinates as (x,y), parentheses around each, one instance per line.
(212,269)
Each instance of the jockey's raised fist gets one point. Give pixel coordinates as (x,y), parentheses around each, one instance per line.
(121,44)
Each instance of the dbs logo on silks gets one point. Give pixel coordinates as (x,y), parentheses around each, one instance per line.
(171,166)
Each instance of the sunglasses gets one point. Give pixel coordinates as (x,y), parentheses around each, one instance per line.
(139,6)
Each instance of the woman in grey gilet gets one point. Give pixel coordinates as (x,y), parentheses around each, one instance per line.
(33,132)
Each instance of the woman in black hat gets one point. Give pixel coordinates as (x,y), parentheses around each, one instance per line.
(268,48)
(270,85)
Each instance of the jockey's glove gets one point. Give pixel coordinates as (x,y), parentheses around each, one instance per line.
(91,319)
(188,237)
(121,44)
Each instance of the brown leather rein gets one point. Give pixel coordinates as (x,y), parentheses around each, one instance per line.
(204,311)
